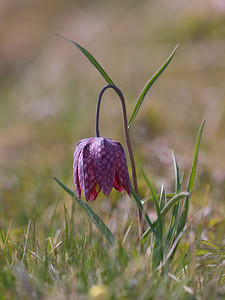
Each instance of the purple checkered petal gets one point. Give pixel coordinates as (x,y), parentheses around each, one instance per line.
(104,164)
(86,172)
(77,152)
(122,180)
(76,179)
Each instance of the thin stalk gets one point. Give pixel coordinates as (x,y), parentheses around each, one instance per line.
(127,139)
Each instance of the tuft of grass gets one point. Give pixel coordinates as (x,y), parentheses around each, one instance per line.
(94,217)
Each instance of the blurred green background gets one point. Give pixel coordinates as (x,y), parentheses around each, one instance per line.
(48,93)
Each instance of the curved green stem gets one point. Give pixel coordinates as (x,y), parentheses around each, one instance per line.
(127,139)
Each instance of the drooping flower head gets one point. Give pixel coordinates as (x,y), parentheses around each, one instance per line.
(99,165)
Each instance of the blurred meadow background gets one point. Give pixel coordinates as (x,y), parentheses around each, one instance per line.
(48,94)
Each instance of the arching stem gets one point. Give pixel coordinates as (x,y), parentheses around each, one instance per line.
(127,139)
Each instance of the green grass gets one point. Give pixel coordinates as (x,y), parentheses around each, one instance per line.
(69,256)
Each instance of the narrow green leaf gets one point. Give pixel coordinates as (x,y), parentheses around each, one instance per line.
(183,217)
(202,251)
(67,236)
(52,220)
(175,215)
(177,174)
(181,265)
(69,191)
(166,209)
(172,202)
(157,253)
(173,224)
(211,245)
(162,199)
(156,203)
(94,217)
(148,199)
(91,59)
(138,201)
(184,214)
(195,159)
(159,248)
(148,85)
(105,231)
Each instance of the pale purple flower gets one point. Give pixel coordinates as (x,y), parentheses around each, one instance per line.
(99,165)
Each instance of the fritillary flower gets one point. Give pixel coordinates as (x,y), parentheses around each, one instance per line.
(99,165)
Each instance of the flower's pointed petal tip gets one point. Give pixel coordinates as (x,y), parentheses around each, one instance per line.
(78,193)
(123,186)
(118,186)
(92,195)
(122,189)
(106,191)
(128,187)
(129,192)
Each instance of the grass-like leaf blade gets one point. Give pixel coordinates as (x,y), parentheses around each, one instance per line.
(194,165)
(91,59)
(148,85)
(155,201)
(150,198)
(139,204)
(172,202)
(177,174)
(162,199)
(157,254)
(165,210)
(191,179)
(104,230)
(175,215)
(68,190)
